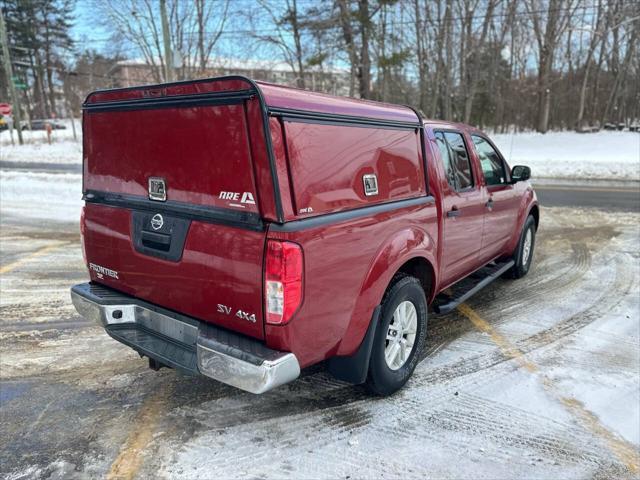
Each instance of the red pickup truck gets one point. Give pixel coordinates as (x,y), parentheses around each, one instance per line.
(243,230)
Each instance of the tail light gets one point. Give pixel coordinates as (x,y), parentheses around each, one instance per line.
(283,281)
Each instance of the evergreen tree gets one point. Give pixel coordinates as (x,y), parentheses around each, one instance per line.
(39,39)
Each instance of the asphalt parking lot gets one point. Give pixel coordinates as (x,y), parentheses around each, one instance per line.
(536,378)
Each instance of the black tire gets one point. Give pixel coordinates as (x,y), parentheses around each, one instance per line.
(521,267)
(381,379)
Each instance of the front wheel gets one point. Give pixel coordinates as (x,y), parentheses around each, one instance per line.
(524,252)
(400,336)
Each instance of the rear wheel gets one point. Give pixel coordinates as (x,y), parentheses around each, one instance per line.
(400,336)
(523,255)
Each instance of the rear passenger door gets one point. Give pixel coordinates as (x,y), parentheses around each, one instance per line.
(463,207)
(502,199)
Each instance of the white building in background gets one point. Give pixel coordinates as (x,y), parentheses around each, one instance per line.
(128,73)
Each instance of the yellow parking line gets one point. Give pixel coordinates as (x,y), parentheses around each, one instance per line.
(625,451)
(28,258)
(129,459)
(507,348)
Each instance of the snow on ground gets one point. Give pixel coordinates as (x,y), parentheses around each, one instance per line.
(570,155)
(471,410)
(563,155)
(63,151)
(465,413)
(63,148)
(40,136)
(56,197)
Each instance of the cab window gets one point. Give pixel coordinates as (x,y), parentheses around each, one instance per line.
(455,159)
(490,161)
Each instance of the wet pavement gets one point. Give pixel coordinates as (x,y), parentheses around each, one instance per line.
(538,377)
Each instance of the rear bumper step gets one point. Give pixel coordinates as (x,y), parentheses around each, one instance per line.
(184,343)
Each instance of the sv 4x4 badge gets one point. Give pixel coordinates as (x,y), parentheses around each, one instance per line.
(250,317)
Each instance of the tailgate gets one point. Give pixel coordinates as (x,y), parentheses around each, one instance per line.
(171,214)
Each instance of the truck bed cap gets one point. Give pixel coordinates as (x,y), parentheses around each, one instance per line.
(281,97)
(276,97)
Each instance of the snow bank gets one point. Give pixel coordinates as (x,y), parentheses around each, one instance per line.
(63,148)
(570,155)
(40,136)
(66,151)
(54,197)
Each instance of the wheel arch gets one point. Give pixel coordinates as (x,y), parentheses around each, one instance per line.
(422,269)
(528,206)
(353,366)
(412,251)
(534,211)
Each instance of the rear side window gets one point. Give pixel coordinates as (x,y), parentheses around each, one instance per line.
(331,164)
(455,158)
(491,163)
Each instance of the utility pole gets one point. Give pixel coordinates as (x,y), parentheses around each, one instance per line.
(67,104)
(8,71)
(168,57)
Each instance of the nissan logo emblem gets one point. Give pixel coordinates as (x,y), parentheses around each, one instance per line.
(157,221)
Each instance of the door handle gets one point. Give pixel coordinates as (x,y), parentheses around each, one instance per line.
(489,203)
(454,212)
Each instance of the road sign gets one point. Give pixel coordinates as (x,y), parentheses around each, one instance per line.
(20,85)
(5,109)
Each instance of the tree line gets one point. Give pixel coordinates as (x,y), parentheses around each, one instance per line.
(498,64)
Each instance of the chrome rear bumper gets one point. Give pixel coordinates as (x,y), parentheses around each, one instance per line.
(185,343)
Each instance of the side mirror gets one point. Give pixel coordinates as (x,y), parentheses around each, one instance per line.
(520,173)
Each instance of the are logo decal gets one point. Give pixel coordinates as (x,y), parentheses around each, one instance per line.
(246,198)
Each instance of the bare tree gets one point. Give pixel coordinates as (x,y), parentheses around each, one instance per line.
(597,31)
(286,33)
(364,69)
(621,69)
(357,29)
(195,28)
(422,41)
(476,43)
(548,28)
(540,64)
(204,18)
(349,40)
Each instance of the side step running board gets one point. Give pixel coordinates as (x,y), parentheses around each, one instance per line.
(469,286)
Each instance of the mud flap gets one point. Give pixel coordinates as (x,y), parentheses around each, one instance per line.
(354,368)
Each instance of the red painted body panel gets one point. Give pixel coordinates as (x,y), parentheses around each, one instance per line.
(348,263)
(292,98)
(206,145)
(197,283)
(278,141)
(259,152)
(346,273)
(327,176)
(195,87)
